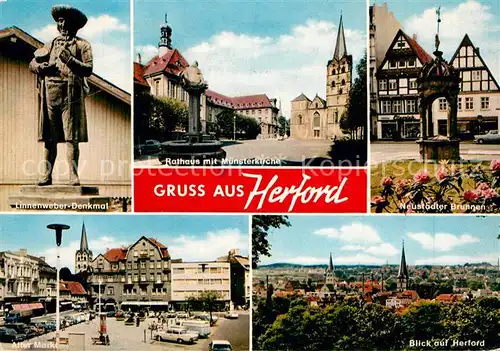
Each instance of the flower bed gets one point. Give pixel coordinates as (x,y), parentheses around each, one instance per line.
(438,188)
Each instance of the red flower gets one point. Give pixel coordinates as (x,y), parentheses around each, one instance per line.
(489,193)
(495,165)
(482,187)
(441,173)
(387,181)
(422,177)
(470,195)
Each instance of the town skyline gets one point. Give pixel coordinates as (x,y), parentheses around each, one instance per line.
(361,240)
(207,238)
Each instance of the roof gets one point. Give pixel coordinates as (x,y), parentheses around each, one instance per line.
(296,284)
(422,55)
(301,97)
(171,62)
(340,46)
(75,287)
(403,268)
(115,255)
(94,79)
(84,246)
(139,70)
(239,102)
(243,261)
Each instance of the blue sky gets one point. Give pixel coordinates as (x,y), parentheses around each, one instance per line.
(187,237)
(280,48)
(479,19)
(377,240)
(108,30)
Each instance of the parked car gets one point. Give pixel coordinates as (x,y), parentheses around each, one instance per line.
(231,315)
(491,137)
(201,327)
(220,345)
(206,317)
(10,335)
(177,334)
(150,147)
(182,315)
(21,328)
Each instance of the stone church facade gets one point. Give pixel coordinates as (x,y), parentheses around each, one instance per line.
(319,118)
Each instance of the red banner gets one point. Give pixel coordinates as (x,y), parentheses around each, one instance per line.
(253,190)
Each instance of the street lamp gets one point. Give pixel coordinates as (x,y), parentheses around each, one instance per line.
(58,229)
(234,127)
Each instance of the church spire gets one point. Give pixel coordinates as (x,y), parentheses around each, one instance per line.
(84,246)
(165,43)
(330,265)
(403,275)
(340,46)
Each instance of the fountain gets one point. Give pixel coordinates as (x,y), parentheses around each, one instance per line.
(196,148)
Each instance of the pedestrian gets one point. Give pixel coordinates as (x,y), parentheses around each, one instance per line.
(137,321)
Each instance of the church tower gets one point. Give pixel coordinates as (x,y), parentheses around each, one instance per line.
(338,83)
(165,43)
(403,276)
(83,256)
(330,272)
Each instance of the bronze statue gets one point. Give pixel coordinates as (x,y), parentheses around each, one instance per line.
(62,66)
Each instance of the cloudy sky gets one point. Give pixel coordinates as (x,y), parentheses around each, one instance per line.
(280,48)
(192,238)
(479,19)
(439,240)
(107,29)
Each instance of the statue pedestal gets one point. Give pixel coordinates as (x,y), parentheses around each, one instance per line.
(438,149)
(59,198)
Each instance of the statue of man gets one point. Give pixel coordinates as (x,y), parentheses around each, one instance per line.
(62,66)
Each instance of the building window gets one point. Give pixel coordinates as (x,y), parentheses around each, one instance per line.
(411,62)
(393,84)
(143,277)
(476,75)
(151,265)
(143,264)
(393,64)
(336,116)
(385,107)
(111,290)
(485,103)
(333,71)
(469,103)
(316,133)
(443,104)
(382,84)
(157,87)
(396,106)
(343,81)
(333,84)
(300,119)
(343,69)
(460,104)
(402,63)
(413,84)
(340,91)
(410,106)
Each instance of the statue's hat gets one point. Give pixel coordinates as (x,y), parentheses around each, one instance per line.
(76,17)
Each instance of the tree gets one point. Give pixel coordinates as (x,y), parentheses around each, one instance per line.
(208,299)
(355,117)
(260,228)
(228,123)
(284,126)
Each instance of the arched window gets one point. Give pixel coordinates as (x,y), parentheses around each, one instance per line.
(300,119)
(343,69)
(333,71)
(336,116)
(340,91)
(333,84)
(316,124)
(343,81)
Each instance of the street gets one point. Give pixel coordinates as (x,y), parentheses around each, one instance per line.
(263,149)
(408,150)
(123,337)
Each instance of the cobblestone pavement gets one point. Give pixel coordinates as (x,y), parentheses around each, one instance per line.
(123,337)
(264,149)
(397,151)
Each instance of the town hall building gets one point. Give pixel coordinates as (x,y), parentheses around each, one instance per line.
(319,118)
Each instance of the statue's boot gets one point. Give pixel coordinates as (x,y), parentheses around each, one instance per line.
(73,154)
(50,159)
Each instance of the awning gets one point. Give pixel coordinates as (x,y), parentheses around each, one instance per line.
(144,303)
